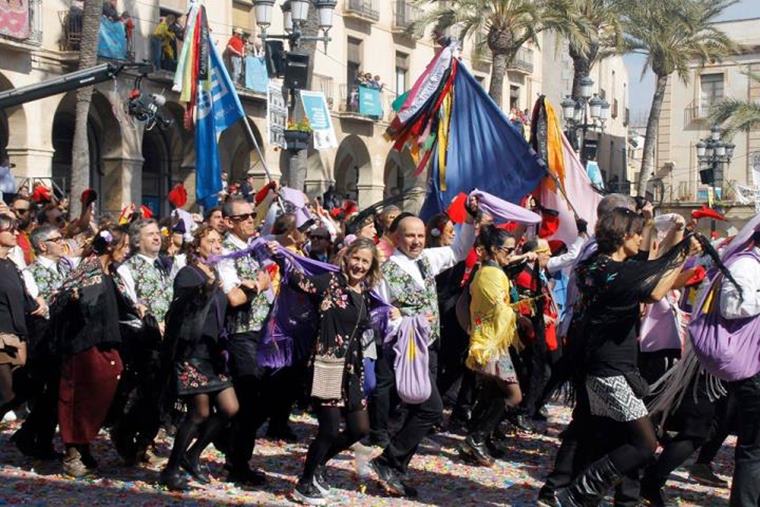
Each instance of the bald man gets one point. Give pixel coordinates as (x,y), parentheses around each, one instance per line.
(409,285)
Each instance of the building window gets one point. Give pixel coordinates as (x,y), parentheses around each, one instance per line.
(614,108)
(711,90)
(353,68)
(514,97)
(402,72)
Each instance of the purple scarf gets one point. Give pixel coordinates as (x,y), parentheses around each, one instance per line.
(503,211)
(291,328)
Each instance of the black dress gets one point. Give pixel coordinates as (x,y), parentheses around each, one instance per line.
(195,323)
(344,318)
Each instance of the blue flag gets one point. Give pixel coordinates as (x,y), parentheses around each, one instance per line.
(216,110)
(485,151)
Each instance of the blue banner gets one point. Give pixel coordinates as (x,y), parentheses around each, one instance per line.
(484,151)
(112,40)
(256,77)
(316,110)
(216,110)
(370,102)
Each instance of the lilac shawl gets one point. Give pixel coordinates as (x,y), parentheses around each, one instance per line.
(503,211)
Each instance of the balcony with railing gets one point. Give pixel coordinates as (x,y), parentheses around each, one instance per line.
(522,62)
(115,40)
(21,24)
(363,10)
(405,13)
(480,51)
(696,111)
(365,104)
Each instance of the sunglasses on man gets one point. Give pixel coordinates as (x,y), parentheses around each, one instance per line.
(243,217)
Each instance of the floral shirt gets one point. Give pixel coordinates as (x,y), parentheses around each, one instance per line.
(344,319)
(48,276)
(152,286)
(409,298)
(250,316)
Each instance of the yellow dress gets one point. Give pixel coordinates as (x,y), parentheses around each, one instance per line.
(493,324)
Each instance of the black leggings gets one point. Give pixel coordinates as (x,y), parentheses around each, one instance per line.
(329,441)
(639,448)
(199,422)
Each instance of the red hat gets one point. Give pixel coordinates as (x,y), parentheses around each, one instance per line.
(556,245)
(88,197)
(549,225)
(41,194)
(457,212)
(705,212)
(178,195)
(146,211)
(699,274)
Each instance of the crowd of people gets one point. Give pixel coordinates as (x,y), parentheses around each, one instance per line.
(213,326)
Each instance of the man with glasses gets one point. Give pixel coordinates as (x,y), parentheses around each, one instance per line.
(148,283)
(246,285)
(42,279)
(320,244)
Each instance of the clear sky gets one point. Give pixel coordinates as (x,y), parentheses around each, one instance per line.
(642,90)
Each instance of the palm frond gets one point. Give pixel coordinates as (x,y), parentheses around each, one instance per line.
(736,115)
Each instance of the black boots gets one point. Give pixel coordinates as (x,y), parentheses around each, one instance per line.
(475,449)
(590,487)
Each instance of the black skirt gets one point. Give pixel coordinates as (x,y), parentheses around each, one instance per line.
(199,376)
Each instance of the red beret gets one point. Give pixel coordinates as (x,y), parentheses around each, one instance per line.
(178,195)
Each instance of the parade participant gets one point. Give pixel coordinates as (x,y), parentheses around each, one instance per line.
(288,233)
(742,305)
(320,246)
(85,315)
(493,329)
(215,219)
(22,208)
(385,244)
(246,285)
(454,340)
(148,285)
(343,303)
(540,338)
(612,290)
(409,284)
(15,305)
(195,326)
(43,278)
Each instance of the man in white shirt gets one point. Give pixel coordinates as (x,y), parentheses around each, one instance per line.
(745,488)
(409,285)
(148,284)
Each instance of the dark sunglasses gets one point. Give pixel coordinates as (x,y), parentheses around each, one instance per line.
(507,249)
(243,217)
(21,211)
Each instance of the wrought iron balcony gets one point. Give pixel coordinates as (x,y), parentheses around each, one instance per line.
(365,10)
(404,14)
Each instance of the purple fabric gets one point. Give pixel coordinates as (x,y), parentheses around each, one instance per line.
(740,241)
(298,201)
(411,364)
(726,348)
(289,332)
(503,211)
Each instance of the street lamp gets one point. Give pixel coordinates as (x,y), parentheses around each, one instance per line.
(586,112)
(295,13)
(713,155)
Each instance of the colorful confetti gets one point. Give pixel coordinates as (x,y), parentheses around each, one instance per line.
(438,473)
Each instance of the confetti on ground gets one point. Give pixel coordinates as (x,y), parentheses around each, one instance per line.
(438,473)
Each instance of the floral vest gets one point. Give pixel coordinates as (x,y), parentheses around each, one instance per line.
(407,296)
(250,316)
(48,279)
(154,288)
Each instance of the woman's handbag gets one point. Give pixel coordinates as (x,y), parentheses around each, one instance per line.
(327,383)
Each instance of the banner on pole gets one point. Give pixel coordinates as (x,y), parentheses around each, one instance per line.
(316,110)
(277,115)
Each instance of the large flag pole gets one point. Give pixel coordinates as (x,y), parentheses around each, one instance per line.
(252,138)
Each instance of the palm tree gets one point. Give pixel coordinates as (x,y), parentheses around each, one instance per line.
(674,35)
(597,32)
(740,114)
(88,57)
(507,25)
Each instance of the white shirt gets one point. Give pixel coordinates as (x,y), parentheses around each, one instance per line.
(226,268)
(746,272)
(440,259)
(567,259)
(129,282)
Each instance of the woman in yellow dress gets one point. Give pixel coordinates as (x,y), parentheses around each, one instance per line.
(493,329)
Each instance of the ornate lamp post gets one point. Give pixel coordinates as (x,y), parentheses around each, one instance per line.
(578,110)
(295,13)
(713,155)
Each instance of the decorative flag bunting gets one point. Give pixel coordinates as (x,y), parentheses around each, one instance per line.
(575,195)
(449,122)
(212,103)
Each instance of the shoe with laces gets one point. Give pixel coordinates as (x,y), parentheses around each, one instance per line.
(308,494)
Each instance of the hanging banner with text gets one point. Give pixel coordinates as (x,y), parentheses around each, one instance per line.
(316,110)
(277,114)
(370,102)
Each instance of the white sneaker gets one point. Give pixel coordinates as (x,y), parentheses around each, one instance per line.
(10,416)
